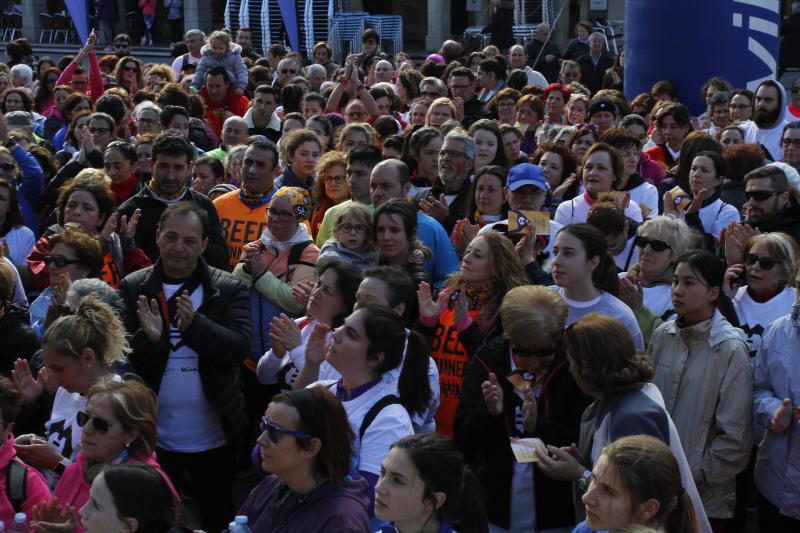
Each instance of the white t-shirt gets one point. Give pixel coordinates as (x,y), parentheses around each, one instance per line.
(645,194)
(186,421)
(389,426)
(755,317)
(576,211)
(177,65)
(657,299)
(605,304)
(20,242)
(621,259)
(716,216)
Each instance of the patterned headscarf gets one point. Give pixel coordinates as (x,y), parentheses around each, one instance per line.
(298,197)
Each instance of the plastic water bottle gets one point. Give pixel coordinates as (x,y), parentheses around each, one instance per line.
(239,525)
(19,524)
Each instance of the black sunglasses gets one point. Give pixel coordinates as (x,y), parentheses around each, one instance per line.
(655,245)
(8,167)
(274,432)
(766,263)
(526,354)
(760,196)
(59,261)
(101,426)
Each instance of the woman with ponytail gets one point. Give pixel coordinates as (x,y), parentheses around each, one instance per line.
(703,372)
(586,277)
(637,481)
(605,364)
(425,487)
(368,351)
(79,351)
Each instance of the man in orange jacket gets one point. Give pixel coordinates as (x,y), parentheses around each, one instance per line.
(220,98)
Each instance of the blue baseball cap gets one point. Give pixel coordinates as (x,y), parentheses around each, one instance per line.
(525,174)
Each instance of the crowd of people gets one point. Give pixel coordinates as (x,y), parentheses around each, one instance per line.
(487,292)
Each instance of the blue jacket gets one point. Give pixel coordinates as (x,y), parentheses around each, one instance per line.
(30,189)
(777,367)
(232,61)
(444,260)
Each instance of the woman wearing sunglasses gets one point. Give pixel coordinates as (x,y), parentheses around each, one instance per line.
(118,427)
(79,351)
(761,288)
(307,444)
(519,385)
(87,204)
(704,374)
(647,285)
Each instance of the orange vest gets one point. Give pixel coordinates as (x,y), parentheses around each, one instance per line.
(451,360)
(110,272)
(241,224)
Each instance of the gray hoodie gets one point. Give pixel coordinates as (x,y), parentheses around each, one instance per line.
(769,137)
(232,61)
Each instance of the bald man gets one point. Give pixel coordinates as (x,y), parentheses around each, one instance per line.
(234,131)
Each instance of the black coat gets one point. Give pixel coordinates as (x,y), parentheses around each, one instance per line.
(575,49)
(484,439)
(592,75)
(220,334)
(549,69)
(216,254)
(18,339)
(786,221)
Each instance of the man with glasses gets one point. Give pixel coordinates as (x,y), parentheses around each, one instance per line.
(462,87)
(243,213)
(791,145)
(122,45)
(171,166)
(287,70)
(741,105)
(195,39)
(146,116)
(447,200)
(769,207)
(221,99)
(433,88)
(189,325)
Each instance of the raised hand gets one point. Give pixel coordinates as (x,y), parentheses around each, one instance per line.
(493,395)
(529,407)
(37,451)
(436,208)
(127,228)
(631,292)
(184,310)
(51,517)
(428,307)
(302,292)
(316,345)
(733,280)
(109,227)
(149,319)
(697,201)
(562,189)
(30,388)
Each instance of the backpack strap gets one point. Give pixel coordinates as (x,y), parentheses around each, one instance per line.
(374,411)
(16,484)
(296,251)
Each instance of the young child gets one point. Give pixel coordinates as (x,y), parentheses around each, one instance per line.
(352,238)
(220,51)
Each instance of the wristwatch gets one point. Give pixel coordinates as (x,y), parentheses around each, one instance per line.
(584,480)
(61,466)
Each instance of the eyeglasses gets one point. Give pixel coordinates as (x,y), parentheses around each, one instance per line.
(790,142)
(8,167)
(101,426)
(360,229)
(431,95)
(280,215)
(539,352)
(766,263)
(274,432)
(287,71)
(451,153)
(146,120)
(59,261)
(795,90)
(759,196)
(99,130)
(655,245)
(130,69)
(336,179)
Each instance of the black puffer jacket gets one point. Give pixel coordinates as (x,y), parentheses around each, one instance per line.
(19,340)
(220,335)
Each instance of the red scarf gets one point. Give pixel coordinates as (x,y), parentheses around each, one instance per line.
(124,189)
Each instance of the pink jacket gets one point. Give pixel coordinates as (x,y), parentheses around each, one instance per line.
(73,488)
(148,7)
(650,170)
(96,86)
(36,487)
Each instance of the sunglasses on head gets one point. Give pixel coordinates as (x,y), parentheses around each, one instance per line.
(760,196)
(274,432)
(101,426)
(655,245)
(766,263)
(59,261)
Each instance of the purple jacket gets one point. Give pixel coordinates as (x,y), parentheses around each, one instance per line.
(344,509)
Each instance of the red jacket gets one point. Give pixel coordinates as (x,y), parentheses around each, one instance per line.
(234,103)
(148,7)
